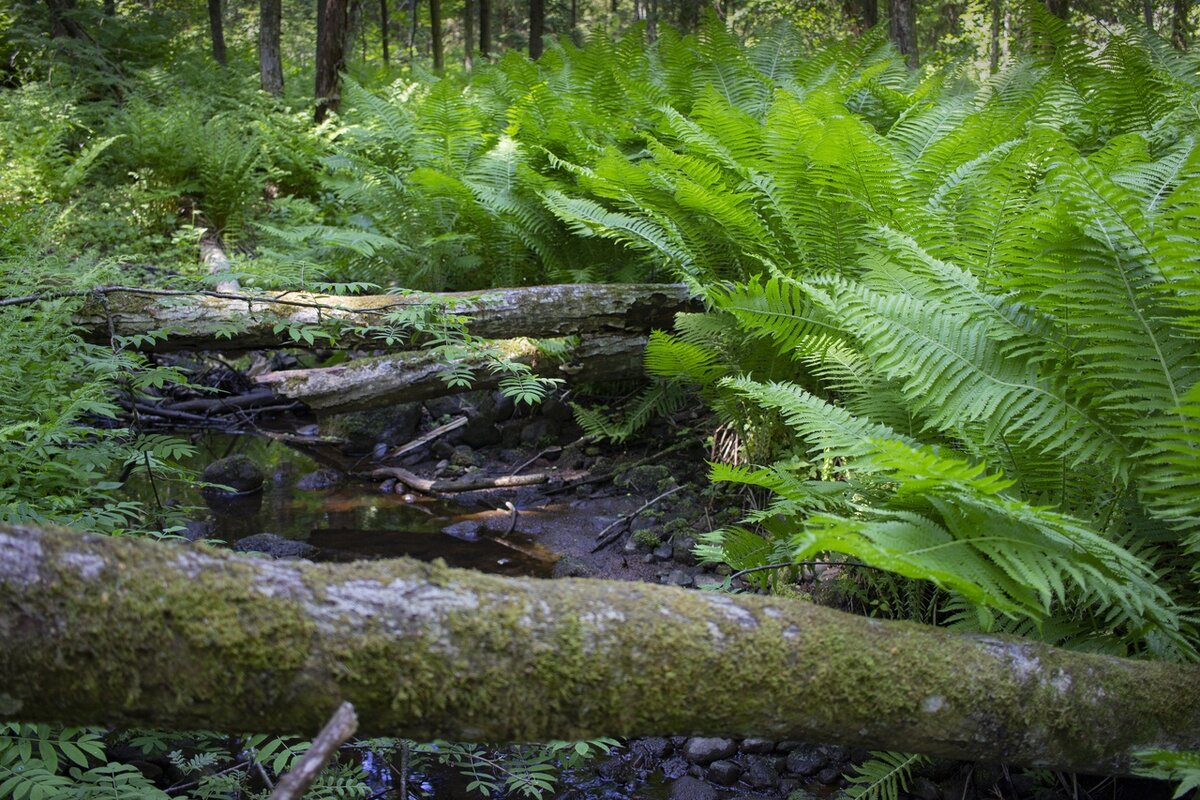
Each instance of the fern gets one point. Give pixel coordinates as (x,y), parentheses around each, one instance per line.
(884,776)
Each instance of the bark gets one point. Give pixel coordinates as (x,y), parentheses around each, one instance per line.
(366,383)
(485,27)
(413,10)
(903,30)
(384,31)
(468,34)
(216,27)
(537,27)
(270,60)
(435,34)
(994,49)
(1180,32)
(1059,8)
(133,633)
(62,20)
(244,321)
(1148,14)
(333,24)
(110,8)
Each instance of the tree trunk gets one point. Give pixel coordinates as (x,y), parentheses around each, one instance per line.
(468,34)
(217,28)
(384,32)
(1148,14)
(435,34)
(1059,8)
(651,20)
(62,20)
(333,20)
(485,28)
(1180,32)
(270,60)
(537,27)
(381,381)
(903,30)
(134,633)
(110,8)
(994,49)
(413,12)
(246,321)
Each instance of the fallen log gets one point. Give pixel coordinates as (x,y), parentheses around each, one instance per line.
(417,375)
(130,632)
(469,483)
(240,321)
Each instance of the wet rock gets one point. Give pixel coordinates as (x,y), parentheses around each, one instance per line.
(662,552)
(835,753)
(681,549)
(480,432)
(806,761)
(237,472)
(762,774)
(569,567)
(655,747)
(689,788)
(465,456)
(644,479)
(753,745)
(802,794)
(320,479)
(829,776)
(451,405)
(388,486)
(540,431)
(274,546)
(362,430)
(675,766)
(787,746)
(724,772)
(706,749)
(467,530)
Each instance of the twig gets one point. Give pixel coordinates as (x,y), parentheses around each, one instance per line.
(340,727)
(470,484)
(602,542)
(426,438)
(606,475)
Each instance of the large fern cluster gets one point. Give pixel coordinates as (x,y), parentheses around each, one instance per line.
(973,306)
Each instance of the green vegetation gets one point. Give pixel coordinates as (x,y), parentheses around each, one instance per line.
(950,317)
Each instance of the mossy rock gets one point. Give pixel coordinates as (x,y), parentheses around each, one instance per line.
(237,472)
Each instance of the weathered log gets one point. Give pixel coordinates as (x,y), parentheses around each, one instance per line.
(417,375)
(230,321)
(469,483)
(130,632)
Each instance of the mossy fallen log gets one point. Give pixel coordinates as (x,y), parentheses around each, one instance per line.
(240,321)
(136,633)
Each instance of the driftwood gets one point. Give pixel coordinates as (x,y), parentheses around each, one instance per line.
(225,320)
(134,633)
(373,382)
(470,483)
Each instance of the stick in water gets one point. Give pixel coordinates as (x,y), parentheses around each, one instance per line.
(337,731)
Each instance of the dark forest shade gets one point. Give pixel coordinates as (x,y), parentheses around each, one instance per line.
(384,32)
(1059,8)
(332,27)
(537,27)
(217,28)
(1179,23)
(485,27)
(903,29)
(435,34)
(270,62)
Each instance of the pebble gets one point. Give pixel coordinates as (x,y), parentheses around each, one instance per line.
(662,553)
(829,776)
(805,761)
(724,772)
(761,774)
(706,749)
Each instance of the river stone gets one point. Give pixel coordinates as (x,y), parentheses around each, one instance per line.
(829,776)
(468,530)
(755,745)
(761,774)
(237,472)
(656,747)
(806,761)
(674,766)
(680,578)
(689,788)
(465,456)
(480,432)
(662,552)
(705,749)
(274,545)
(681,549)
(724,772)
(320,479)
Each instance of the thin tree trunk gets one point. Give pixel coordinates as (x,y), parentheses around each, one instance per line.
(1148,14)
(468,35)
(1180,30)
(574,19)
(62,20)
(435,34)
(537,27)
(216,28)
(384,32)
(245,321)
(130,632)
(994,49)
(270,60)
(110,8)
(485,28)
(413,12)
(903,30)
(651,20)
(332,29)
(1059,8)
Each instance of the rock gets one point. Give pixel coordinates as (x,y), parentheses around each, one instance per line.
(497,407)
(480,432)
(754,745)
(787,746)
(656,747)
(802,794)
(196,529)
(709,579)
(554,408)
(631,547)
(689,788)
(924,789)
(540,431)
(237,472)
(806,761)
(674,767)
(274,545)
(705,749)
(723,772)
(320,479)
(388,486)
(569,567)
(465,456)
(468,530)
(451,405)
(363,430)
(662,552)
(762,774)
(681,549)
(829,776)
(679,578)
(835,753)
(643,479)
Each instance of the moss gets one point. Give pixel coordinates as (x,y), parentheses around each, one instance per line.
(648,538)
